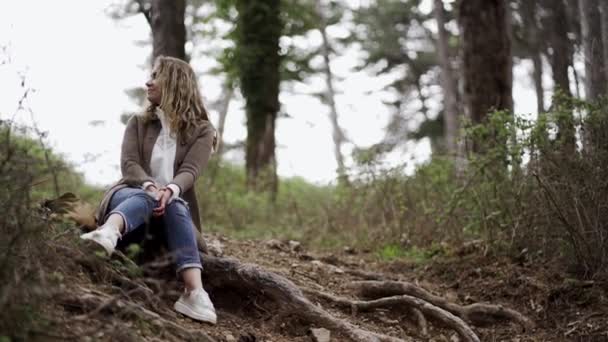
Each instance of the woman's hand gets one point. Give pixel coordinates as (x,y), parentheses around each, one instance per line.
(165,195)
(153,191)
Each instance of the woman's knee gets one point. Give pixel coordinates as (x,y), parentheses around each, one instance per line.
(178,207)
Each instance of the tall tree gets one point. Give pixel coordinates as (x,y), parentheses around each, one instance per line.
(448,83)
(166,18)
(561,47)
(533,47)
(329,97)
(595,73)
(560,60)
(604,20)
(258,31)
(486,57)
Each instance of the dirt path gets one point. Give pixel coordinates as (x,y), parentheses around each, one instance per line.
(563,309)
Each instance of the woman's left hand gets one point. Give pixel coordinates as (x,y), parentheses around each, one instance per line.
(165,195)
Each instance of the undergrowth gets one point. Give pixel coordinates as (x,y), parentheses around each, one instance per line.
(534,189)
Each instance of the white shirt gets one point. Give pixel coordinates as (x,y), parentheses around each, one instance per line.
(163,157)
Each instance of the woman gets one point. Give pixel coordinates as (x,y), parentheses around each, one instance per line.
(163,153)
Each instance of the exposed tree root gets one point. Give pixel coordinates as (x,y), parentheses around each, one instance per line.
(477,314)
(367,275)
(221,272)
(439,314)
(421,321)
(95,302)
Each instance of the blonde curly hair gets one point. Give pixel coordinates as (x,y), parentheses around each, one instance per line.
(181,100)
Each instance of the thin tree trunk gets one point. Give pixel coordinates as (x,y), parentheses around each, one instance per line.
(224,105)
(168,28)
(595,75)
(577,83)
(337,134)
(537,76)
(448,83)
(487,61)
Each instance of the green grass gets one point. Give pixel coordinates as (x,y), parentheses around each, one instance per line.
(414,254)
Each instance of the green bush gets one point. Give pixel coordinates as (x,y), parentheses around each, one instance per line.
(27,176)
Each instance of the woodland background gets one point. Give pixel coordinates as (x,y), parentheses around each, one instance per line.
(498,184)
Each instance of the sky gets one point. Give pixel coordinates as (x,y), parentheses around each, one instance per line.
(77,62)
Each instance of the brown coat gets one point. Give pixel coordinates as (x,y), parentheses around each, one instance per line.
(191,157)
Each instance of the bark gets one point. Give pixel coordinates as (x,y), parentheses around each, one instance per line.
(530,23)
(561,59)
(486,52)
(258,31)
(560,44)
(337,134)
(168,28)
(604,25)
(448,83)
(224,105)
(595,76)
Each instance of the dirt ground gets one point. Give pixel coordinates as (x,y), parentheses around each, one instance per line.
(562,308)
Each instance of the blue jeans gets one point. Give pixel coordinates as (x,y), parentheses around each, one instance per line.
(135,206)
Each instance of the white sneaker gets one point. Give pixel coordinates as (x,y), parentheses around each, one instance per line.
(196,305)
(107,236)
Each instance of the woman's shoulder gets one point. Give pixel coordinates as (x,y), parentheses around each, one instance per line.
(204,128)
(140,119)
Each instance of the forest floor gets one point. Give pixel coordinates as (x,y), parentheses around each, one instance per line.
(562,309)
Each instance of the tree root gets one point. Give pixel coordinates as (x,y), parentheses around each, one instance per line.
(222,272)
(478,313)
(96,302)
(439,314)
(421,321)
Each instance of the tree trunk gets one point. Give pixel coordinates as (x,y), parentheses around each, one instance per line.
(487,63)
(604,25)
(337,134)
(224,105)
(448,83)
(530,23)
(561,59)
(168,28)
(561,55)
(258,31)
(595,74)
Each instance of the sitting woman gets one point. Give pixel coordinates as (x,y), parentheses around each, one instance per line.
(163,152)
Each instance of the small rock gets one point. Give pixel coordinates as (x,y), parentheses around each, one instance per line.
(295,245)
(317,263)
(215,247)
(274,243)
(229,338)
(350,250)
(327,267)
(335,269)
(305,257)
(320,335)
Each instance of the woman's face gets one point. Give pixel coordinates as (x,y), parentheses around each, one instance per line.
(153,87)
